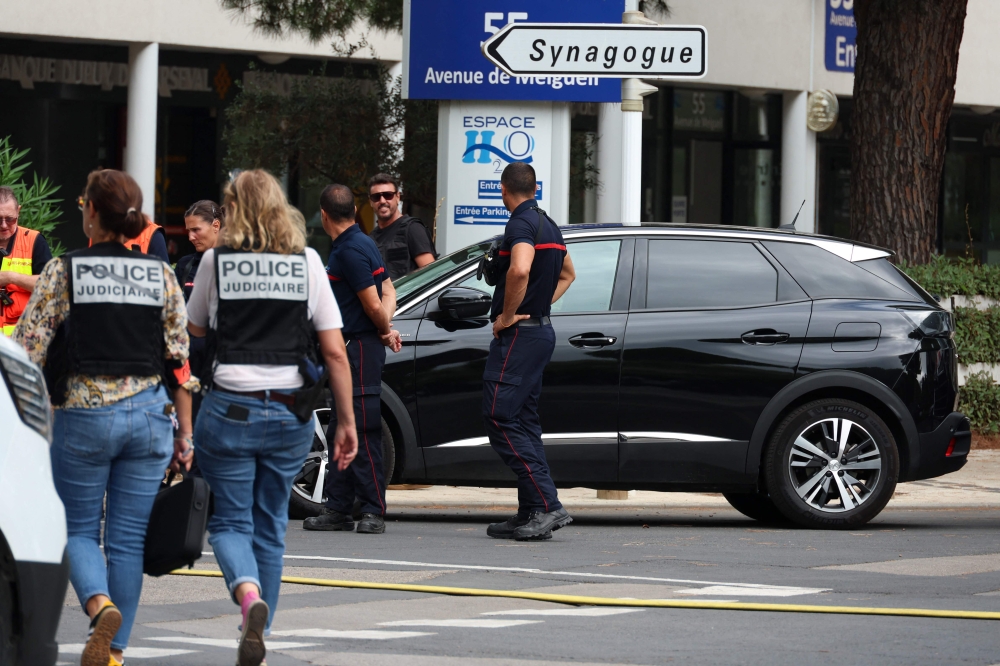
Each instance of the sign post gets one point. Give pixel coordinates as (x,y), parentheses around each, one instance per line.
(636,48)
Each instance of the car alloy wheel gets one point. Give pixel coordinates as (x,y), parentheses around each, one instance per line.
(831,463)
(834,465)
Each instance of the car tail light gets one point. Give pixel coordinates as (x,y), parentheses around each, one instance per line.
(27,386)
(951,448)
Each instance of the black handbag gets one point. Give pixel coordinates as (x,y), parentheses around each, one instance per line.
(492,265)
(177,525)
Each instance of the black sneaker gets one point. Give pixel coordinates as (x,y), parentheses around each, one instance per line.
(505,530)
(329,521)
(104,626)
(371,524)
(540,525)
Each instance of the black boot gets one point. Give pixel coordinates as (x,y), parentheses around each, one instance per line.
(505,530)
(541,525)
(329,521)
(371,524)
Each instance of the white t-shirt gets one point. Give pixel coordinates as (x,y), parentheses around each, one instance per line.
(203,309)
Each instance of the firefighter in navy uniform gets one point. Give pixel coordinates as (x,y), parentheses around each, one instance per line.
(540,272)
(367,302)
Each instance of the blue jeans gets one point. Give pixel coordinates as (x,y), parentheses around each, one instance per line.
(249,451)
(123,449)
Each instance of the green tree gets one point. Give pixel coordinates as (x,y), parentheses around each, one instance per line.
(340,130)
(39,208)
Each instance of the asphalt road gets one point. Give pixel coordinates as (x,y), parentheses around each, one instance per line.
(946,559)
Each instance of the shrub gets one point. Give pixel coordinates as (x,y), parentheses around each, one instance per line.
(980,401)
(39,209)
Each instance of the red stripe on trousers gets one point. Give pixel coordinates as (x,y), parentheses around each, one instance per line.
(494,408)
(364,423)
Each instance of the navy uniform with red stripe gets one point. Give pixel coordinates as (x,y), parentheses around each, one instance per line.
(356,264)
(512,381)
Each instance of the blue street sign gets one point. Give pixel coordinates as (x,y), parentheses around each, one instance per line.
(497,215)
(442,50)
(841,35)
(490,189)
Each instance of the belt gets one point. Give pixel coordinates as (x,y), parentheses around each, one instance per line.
(535,321)
(282,398)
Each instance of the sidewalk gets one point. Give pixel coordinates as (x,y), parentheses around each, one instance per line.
(977,485)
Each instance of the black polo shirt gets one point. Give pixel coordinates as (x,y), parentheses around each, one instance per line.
(355,264)
(545,267)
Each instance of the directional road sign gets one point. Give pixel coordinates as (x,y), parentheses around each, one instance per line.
(599,50)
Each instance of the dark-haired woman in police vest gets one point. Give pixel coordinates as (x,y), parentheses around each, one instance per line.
(262,297)
(108,326)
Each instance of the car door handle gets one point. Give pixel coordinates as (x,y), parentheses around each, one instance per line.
(592,340)
(765,336)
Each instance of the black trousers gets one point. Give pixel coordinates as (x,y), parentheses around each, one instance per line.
(365,477)
(512,384)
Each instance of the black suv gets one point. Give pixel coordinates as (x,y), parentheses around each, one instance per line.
(802,376)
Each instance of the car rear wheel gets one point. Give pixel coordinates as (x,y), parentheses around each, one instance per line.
(307,497)
(831,463)
(758,506)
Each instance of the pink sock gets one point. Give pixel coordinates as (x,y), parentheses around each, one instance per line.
(248,599)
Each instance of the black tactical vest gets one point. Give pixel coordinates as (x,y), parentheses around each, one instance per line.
(395,248)
(115,321)
(263,315)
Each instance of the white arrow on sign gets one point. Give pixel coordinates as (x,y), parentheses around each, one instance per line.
(599,49)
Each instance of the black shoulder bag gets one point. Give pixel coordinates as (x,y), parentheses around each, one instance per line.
(492,265)
(176,530)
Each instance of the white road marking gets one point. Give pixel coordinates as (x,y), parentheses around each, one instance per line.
(747,591)
(591,611)
(778,590)
(130,653)
(465,624)
(361,634)
(228,642)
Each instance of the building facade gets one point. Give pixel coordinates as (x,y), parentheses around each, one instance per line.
(142,85)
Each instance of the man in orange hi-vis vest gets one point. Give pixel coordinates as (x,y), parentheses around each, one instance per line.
(24,253)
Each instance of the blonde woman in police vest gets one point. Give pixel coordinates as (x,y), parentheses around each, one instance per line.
(108,326)
(262,297)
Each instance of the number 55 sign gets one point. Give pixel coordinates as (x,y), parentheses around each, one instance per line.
(442,50)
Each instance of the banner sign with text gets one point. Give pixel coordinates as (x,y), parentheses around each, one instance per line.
(443,59)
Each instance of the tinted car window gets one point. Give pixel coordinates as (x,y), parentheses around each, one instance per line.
(884,269)
(701,274)
(825,275)
(408,285)
(596,263)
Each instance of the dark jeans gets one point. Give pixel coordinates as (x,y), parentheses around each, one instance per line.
(512,384)
(365,477)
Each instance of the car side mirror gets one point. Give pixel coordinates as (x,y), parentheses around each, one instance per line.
(465,303)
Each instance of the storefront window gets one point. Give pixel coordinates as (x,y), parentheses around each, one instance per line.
(753,188)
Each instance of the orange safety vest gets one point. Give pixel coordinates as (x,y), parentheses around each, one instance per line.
(19,261)
(141,242)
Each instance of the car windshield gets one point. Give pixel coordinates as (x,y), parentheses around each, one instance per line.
(411,284)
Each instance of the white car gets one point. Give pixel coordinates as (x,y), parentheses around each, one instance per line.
(33,566)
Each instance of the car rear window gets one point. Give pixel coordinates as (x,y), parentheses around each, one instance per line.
(705,274)
(885,270)
(825,275)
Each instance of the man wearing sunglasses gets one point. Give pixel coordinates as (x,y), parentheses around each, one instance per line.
(25,254)
(403,241)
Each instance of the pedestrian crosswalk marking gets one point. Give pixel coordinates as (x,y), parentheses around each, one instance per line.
(593,611)
(359,634)
(765,589)
(227,642)
(468,624)
(130,653)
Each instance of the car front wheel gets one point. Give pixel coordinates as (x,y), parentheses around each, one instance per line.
(831,463)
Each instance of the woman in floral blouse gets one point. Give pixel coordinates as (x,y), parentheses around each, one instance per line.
(112,432)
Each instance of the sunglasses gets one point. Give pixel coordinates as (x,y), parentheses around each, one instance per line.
(377,196)
(8,221)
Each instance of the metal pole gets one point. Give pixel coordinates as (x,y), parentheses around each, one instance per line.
(140,137)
